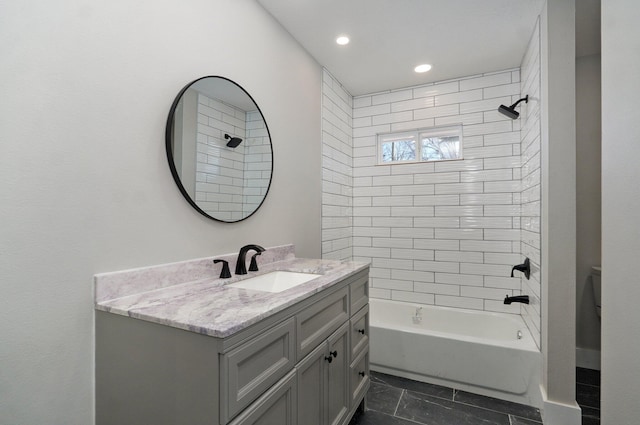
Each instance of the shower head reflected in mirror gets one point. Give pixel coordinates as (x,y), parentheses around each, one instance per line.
(510,111)
(233,141)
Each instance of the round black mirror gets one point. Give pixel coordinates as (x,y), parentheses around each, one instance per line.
(219,149)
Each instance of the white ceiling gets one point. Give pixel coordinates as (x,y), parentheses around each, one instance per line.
(226,91)
(390,37)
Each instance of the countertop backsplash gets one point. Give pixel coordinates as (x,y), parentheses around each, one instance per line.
(109,286)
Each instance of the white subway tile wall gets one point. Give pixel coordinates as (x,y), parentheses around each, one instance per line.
(337,170)
(443,232)
(257,162)
(530,173)
(230,183)
(219,169)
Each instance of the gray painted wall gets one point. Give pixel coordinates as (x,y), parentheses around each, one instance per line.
(620,205)
(86,89)
(588,204)
(558,234)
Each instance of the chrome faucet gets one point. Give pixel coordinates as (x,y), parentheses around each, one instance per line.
(241,265)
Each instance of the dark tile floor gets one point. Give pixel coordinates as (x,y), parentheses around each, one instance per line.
(397,401)
(588,395)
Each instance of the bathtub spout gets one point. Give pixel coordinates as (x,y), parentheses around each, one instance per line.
(524,299)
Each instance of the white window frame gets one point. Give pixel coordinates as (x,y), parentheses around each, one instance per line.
(417,135)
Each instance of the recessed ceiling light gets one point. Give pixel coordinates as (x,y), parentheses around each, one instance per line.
(422,68)
(342,40)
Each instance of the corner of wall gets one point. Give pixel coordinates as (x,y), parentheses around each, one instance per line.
(337,169)
(558,230)
(555,413)
(530,195)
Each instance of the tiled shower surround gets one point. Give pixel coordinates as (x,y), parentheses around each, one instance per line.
(444,233)
(530,196)
(337,170)
(230,182)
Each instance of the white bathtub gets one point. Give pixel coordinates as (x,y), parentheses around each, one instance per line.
(482,352)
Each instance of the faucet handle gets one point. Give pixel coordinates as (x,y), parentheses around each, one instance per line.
(253,267)
(225,273)
(524,267)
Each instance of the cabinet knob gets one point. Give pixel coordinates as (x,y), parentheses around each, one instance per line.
(361,374)
(328,358)
(361,331)
(333,353)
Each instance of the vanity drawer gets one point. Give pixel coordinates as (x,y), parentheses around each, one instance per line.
(250,369)
(359,292)
(359,377)
(359,331)
(277,406)
(319,320)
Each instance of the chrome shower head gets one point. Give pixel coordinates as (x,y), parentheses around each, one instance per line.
(510,111)
(233,141)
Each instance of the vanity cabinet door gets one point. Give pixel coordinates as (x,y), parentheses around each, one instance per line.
(359,292)
(275,407)
(359,379)
(252,368)
(359,331)
(338,376)
(312,378)
(323,381)
(315,323)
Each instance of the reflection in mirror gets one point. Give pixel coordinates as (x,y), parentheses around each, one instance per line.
(219,149)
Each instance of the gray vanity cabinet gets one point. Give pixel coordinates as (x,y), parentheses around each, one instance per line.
(359,368)
(318,321)
(276,407)
(359,331)
(323,382)
(304,365)
(252,368)
(359,379)
(312,387)
(338,376)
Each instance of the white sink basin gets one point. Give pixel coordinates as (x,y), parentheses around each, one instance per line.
(277,281)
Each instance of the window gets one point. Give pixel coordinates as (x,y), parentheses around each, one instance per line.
(398,147)
(427,144)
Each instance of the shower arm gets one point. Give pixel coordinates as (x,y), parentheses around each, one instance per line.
(526,100)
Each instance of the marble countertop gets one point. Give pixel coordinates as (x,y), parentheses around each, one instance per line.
(212,306)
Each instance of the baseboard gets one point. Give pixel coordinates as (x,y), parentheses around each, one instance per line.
(555,413)
(588,358)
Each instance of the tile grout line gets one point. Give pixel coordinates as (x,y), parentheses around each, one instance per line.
(403,418)
(492,410)
(453,399)
(398,403)
(399,417)
(588,385)
(497,411)
(483,408)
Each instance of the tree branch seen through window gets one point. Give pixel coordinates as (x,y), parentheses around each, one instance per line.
(427,144)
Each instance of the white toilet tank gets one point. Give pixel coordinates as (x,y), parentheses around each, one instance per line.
(597,287)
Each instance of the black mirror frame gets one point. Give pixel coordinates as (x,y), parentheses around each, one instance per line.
(169,149)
